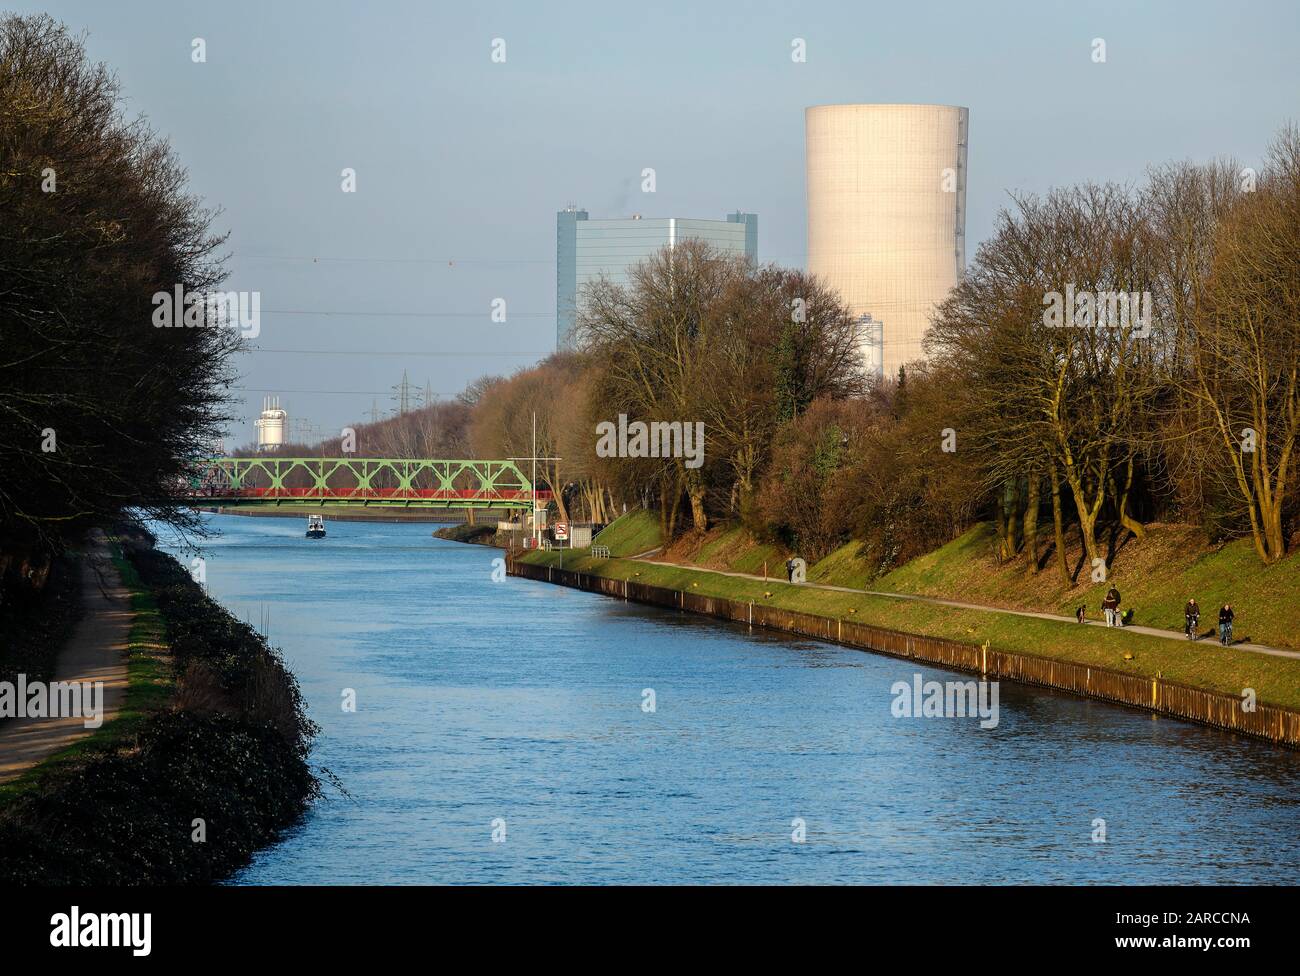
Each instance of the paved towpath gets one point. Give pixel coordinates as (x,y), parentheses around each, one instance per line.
(95,651)
(1150,631)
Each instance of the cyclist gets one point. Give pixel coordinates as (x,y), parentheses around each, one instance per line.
(1192,612)
(1225,624)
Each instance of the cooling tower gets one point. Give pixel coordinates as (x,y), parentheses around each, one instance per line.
(886,213)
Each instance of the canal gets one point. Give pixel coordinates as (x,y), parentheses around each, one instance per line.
(503,733)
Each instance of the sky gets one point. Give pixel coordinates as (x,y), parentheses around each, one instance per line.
(461,161)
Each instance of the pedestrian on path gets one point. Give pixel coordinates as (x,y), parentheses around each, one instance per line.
(1110,607)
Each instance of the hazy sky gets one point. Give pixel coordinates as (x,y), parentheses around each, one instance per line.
(461,162)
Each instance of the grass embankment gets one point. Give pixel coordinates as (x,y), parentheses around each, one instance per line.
(630,534)
(1155,577)
(1206,665)
(151,682)
(205,764)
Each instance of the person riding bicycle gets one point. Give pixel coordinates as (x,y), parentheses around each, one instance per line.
(1225,624)
(1192,613)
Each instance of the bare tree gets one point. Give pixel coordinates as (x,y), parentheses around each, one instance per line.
(1243,344)
(101,412)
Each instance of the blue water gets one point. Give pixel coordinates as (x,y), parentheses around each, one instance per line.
(520,702)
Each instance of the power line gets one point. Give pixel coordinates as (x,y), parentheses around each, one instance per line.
(370,393)
(450,262)
(421,315)
(456,262)
(377,352)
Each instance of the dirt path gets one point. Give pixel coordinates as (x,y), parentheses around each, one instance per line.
(1150,631)
(96,651)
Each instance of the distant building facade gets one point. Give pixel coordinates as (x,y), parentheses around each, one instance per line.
(586,250)
(887,216)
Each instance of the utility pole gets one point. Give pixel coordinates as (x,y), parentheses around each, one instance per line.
(534,480)
(402,395)
(536,543)
(304,430)
(535,459)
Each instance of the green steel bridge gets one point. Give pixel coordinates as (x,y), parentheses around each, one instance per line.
(360,482)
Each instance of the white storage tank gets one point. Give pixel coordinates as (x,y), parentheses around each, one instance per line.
(271,425)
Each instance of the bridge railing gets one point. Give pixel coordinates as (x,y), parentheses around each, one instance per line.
(481,483)
(436,494)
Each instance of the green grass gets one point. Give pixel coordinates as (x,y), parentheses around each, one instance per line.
(1275,680)
(151,682)
(756,557)
(735,549)
(630,534)
(720,546)
(844,567)
(150,686)
(1155,578)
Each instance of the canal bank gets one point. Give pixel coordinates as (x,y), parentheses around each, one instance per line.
(1242,713)
(203,763)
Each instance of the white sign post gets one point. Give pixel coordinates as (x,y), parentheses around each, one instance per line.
(539,509)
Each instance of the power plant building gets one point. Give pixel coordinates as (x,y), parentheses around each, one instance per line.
(586,250)
(887,216)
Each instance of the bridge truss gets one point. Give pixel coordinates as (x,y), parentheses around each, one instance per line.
(361,482)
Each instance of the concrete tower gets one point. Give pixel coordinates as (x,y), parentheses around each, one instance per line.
(887,214)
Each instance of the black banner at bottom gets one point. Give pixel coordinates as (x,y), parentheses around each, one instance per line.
(329,925)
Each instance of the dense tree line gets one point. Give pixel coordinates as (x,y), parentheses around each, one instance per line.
(1187,408)
(100,411)
(1113,356)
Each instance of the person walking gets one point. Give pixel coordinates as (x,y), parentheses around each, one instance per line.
(1110,607)
(1192,613)
(1225,624)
